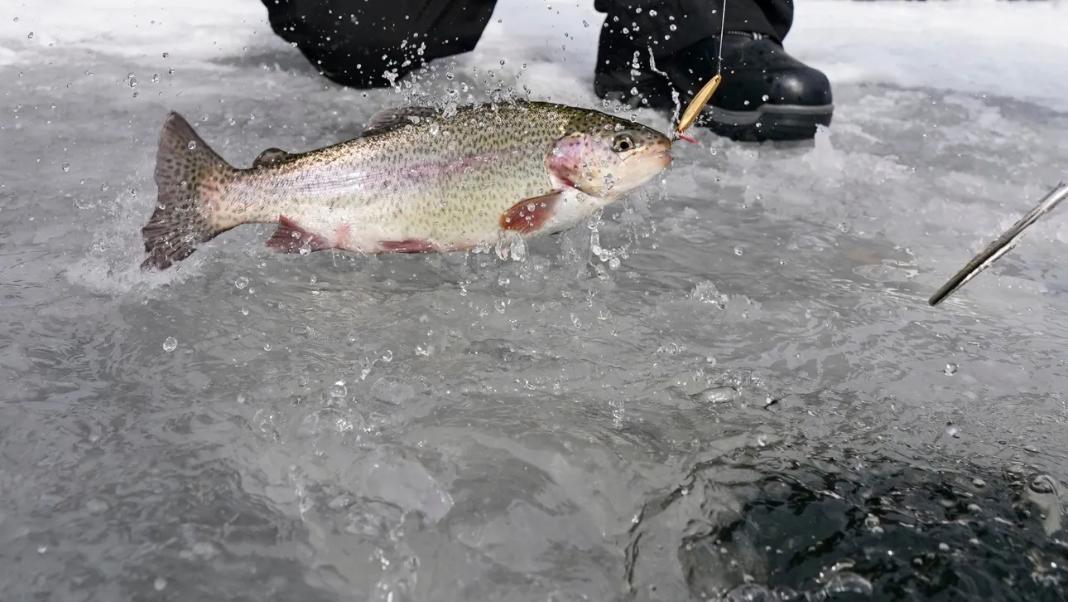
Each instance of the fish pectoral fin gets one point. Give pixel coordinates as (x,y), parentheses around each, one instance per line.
(391,119)
(269,157)
(291,238)
(529,215)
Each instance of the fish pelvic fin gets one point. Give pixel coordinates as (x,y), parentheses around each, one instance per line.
(190,178)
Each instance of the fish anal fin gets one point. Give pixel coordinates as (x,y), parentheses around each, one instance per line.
(291,238)
(391,119)
(529,215)
(270,157)
(411,245)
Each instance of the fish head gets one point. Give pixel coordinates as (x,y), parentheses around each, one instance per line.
(605,156)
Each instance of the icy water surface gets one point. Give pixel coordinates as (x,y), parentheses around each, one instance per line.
(729,386)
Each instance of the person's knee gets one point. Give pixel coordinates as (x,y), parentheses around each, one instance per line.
(370,44)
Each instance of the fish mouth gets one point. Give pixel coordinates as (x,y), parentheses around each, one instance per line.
(663,153)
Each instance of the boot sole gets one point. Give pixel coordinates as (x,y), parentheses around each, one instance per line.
(768,122)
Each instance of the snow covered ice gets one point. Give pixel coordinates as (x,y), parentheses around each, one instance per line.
(743,393)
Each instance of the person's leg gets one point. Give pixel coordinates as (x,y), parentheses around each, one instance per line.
(368,44)
(765,94)
(668,26)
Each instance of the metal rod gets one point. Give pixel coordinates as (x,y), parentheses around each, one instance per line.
(1002,245)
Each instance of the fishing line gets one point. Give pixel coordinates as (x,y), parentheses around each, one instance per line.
(705,93)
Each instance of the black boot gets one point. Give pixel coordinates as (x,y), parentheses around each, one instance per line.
(765,94)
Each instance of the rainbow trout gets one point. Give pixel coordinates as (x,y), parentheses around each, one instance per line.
(417,180)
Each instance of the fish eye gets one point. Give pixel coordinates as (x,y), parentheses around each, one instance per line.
(622,143)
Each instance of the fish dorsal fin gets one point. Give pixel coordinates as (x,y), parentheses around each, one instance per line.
(398,117)
(270,157)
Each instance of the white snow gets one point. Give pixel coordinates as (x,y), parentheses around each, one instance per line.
(979,46)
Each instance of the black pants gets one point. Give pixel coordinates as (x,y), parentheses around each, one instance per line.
(366,43)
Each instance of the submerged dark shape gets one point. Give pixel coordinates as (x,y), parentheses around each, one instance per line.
(857,527)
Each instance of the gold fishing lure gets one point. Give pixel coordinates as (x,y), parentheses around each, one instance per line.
(694,108)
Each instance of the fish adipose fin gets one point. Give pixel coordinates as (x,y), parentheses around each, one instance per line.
(391,119)
(291,238)
(529,215)
(270,157)
(188,177)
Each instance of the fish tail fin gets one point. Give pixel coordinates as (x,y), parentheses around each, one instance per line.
(188,177)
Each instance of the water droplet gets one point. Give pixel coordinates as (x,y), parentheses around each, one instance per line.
(718,395)
(950,369)
(706,292)
(765,98)
(266,346)
(953,431)
(873,525)
(848,583)
(1043,484)
(155,78)
(339,390)
(29,36)
(387,355)
(518,249)
(241,398)
(131,79)
(192,145)
(66,167)
(166,54)
(672,27)
(170,344)
(160,583)
(204,549)
(738,251)
(241,282)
